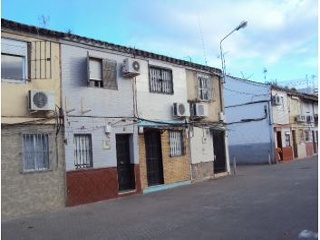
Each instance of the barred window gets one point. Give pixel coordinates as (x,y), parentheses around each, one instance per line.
(204,87)
(160,80)
(82,151)
(176,143)
(35,152)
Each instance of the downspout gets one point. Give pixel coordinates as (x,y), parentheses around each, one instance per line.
(272,146)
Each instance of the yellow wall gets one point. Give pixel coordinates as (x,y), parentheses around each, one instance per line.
(294,108)
(14,95)
(214,106)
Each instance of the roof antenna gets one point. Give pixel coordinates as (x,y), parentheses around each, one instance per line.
(43,21)
(202,40)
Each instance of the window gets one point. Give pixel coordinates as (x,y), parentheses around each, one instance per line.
(176,143)
(35,152)
(287,139)
(204,87)
(82,151)
(307,138)
(160,80)
(13,60)
(102,73)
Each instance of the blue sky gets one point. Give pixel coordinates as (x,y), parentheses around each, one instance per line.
(281,36)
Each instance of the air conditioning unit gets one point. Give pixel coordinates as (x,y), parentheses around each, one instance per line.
(39,100)
(130,67)
(300,118)
(276,100)
(180,110)
(200,110)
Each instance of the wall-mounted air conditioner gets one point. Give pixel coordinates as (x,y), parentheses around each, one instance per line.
(200,110)
(39,100)
(276,100)
(300,118)
(130,67)
(180,110)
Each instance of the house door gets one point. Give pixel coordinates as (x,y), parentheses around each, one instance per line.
(153,157)
(314,142)
(219,151)
(125,169)
(295,146)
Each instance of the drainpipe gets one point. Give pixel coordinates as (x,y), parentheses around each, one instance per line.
(272,148)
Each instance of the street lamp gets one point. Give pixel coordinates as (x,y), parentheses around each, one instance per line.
(243,24)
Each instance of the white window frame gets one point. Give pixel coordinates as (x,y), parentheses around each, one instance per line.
(15,48)
(103,76)
(36,155)
(82,151)
(176,142)
(204,87)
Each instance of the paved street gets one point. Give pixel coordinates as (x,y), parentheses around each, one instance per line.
(260,202)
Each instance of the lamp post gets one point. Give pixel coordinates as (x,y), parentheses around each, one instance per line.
(243,24)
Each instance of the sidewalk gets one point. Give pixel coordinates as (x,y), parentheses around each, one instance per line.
(260,202)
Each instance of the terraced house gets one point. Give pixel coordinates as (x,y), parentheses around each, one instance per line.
(32,151)
(91,120)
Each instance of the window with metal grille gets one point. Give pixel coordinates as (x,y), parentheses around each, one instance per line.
(102,73)
(160,80)
(35,152)
(204,87)
(176,143)
(82,151)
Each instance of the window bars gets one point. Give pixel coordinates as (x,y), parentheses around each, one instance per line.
(35,152)
(82,151)
(176,143)
(160,80)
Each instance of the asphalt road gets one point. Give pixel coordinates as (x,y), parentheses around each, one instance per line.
(260,202)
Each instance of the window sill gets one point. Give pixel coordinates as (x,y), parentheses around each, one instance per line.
(36,171)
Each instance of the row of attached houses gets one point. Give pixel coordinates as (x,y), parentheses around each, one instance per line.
(84,120)
(267,123)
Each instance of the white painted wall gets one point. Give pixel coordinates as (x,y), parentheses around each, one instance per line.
(107,107)
(281,112)
(157,106)
(201,145)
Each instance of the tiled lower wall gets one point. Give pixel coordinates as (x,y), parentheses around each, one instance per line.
(92,185)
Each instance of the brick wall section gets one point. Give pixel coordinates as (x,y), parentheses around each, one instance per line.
(29,193)
(142,162)
(175,169)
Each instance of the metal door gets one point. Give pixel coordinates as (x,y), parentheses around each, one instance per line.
(125,168)
(219,151)
(153,157)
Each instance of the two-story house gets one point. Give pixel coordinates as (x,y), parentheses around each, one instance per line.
(208,148)
(303,110)
(32,153)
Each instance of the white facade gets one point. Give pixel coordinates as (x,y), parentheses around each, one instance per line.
(158,106)
(91,110)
